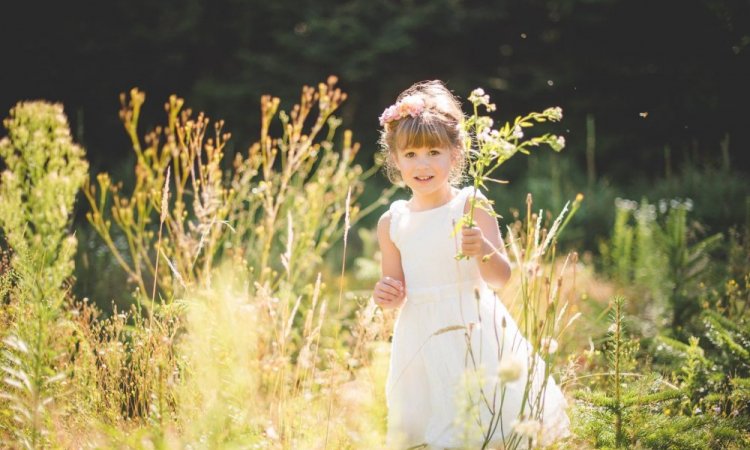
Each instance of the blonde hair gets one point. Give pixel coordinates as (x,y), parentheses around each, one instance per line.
(437,125)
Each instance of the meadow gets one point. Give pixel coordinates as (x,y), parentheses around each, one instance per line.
(244,318)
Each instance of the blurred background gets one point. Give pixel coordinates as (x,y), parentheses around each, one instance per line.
(285,342)
(655,94)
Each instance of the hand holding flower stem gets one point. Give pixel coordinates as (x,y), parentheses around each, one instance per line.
(490,147)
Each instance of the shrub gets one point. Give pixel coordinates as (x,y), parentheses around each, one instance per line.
(44,171)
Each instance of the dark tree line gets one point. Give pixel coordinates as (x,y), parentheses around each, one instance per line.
(651,73)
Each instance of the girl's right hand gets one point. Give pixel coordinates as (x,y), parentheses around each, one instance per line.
(389,293)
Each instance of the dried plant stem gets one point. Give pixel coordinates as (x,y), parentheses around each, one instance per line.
(163,216)
(343,257)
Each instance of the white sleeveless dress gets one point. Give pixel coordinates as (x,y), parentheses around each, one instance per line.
(440,391)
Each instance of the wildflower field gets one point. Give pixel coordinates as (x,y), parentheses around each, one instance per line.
(241,314)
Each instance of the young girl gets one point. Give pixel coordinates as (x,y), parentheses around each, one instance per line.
(458,364)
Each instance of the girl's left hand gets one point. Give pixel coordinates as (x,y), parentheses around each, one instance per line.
(473,242)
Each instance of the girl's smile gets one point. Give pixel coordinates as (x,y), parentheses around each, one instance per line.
(426,171)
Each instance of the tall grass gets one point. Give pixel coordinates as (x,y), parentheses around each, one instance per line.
(233,337)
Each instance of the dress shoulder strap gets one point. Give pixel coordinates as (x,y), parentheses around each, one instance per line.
(462,200)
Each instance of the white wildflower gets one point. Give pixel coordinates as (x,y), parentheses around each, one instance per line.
(510,369)
(555,114)
(517,132)
(662,206)
(478,97)
(558,143)
(271,433)
(527,428)
(484,135)
(549,345)
(485,122)
(506,146)
(623,203)
(646,213)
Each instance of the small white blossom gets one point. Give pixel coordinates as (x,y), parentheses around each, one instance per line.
(506,146)
(271,433)
(622,203)
(646,213)
(558,144)
(527,428)
(549,345)
(662,206)
(484,135)
(478,97)
(555,114)
(510,369)
(517,132)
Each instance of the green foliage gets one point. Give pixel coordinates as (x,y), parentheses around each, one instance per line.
(241,344)
(621,249)
(719,194)
(31,382)
(614,417)
(660,256)
(714,370)
(277,212)
(295,194)
(688,263)
(193,224)
(490,147)
(649,260)
(732,338)
(724,316)
(44,171)
(706,409)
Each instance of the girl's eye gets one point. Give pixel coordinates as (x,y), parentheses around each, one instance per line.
(408,154)
(434,152)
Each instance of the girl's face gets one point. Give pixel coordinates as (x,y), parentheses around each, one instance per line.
(426,170)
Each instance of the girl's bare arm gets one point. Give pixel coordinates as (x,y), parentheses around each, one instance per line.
(390,290)
(485,243)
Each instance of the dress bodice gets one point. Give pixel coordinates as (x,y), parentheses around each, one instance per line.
(428,244)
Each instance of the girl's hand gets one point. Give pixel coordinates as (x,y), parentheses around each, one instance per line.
(473,242)
(389,293)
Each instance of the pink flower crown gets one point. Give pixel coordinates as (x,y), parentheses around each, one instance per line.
(410,105)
